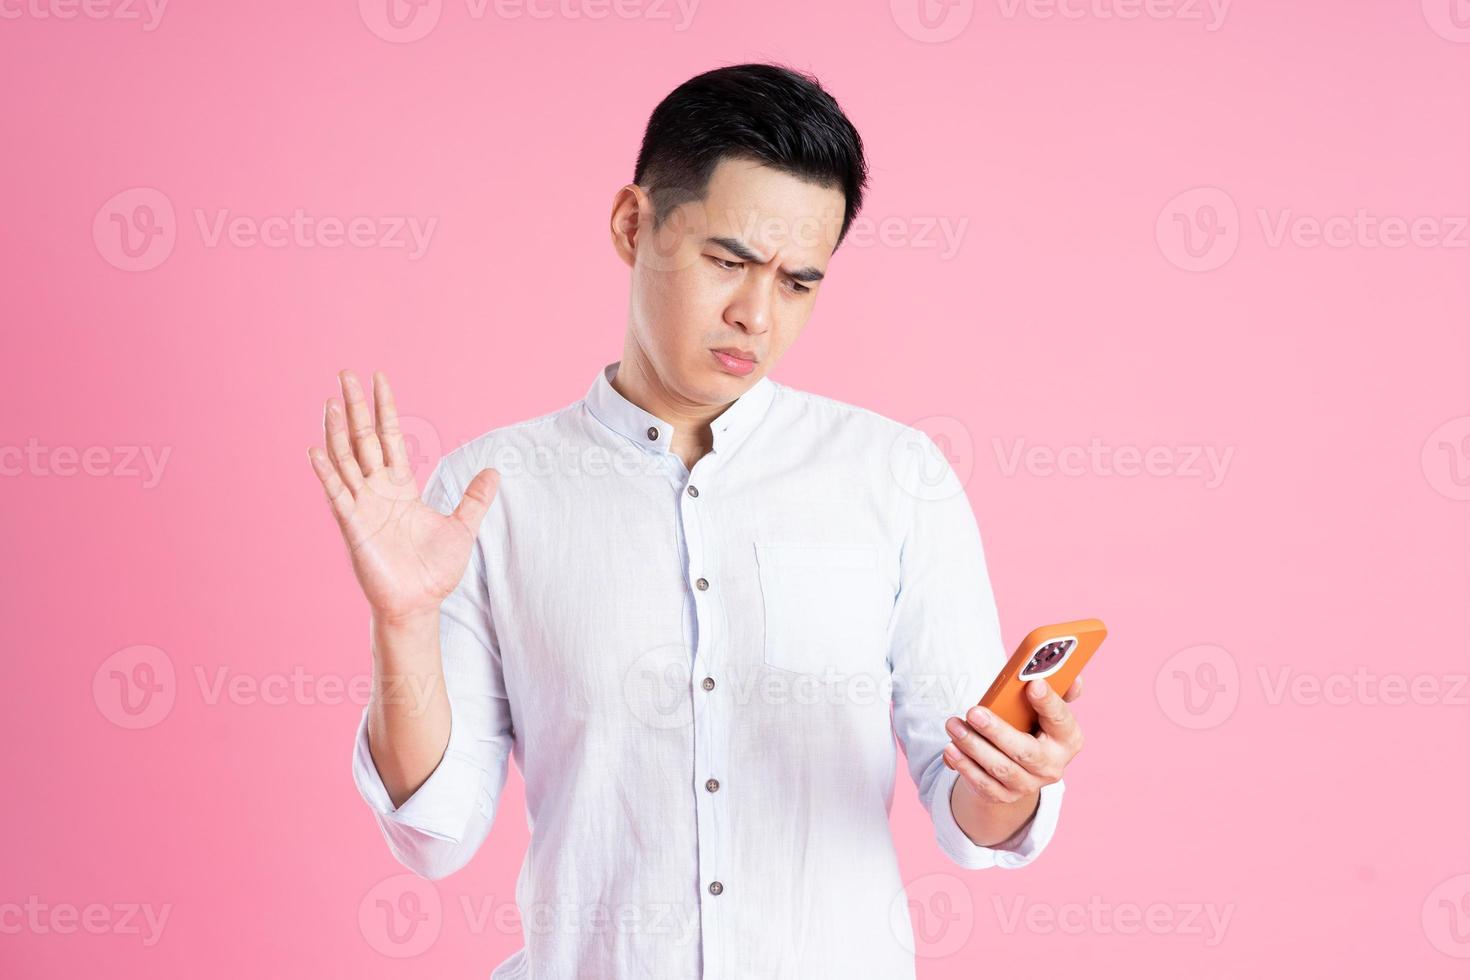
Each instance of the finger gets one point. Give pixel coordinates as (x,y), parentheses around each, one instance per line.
(1018,745)
(1056,719)
(339,448)
(360,425)
(1074,692)
(395,453)
(999,766)
(336,490)
(980,781)
(477,499)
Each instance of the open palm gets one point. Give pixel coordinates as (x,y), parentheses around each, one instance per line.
(407,556)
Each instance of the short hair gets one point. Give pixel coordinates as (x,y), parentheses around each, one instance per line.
(768,113)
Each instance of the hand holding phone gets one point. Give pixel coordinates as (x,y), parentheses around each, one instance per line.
(1055,653)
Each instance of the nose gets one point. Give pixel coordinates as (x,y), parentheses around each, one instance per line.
(750,309)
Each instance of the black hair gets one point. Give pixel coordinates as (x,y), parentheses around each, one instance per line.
(763,112)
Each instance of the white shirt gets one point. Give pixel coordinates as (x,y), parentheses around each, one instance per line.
(693,670)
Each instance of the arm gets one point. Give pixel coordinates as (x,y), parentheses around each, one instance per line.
(945,649)
(408,713)
(433,742)
(435,822)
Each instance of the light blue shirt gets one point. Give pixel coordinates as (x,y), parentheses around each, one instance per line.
(700,674)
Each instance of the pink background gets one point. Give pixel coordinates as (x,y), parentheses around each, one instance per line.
(1322,823)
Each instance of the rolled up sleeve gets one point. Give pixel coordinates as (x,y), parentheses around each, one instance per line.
(945,649)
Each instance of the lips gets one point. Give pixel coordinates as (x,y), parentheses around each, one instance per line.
(740,364)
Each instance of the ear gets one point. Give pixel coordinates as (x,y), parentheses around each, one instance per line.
(631,207)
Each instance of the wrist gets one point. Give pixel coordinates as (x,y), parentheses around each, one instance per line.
(405,621)
(403,633)
(988,823)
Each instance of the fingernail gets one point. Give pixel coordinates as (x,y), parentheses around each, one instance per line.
(980,717)
(955,727)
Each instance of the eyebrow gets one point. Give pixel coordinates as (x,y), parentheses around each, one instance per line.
(736,247)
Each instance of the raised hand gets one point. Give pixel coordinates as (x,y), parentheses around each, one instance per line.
(407,556)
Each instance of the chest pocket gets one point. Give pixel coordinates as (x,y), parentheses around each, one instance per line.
(826,606)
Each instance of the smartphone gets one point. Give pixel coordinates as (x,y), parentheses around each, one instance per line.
(1057,653)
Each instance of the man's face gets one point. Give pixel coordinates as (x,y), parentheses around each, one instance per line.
(739,270)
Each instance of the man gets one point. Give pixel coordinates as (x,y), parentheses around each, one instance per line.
(687,603)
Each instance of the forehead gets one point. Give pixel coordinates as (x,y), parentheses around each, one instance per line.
(771,210)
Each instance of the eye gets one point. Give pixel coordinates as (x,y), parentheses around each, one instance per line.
(725,263)
(797,287)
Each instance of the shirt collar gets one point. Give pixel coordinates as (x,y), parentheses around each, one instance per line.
(729,428)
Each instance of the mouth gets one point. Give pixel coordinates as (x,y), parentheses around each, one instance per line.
(735,360)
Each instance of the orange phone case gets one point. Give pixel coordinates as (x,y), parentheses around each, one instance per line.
(1056,653)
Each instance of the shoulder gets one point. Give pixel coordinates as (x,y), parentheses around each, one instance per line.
(513,441)
(819,412)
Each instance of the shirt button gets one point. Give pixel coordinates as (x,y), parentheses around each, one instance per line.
(711,784)
(715,888)
(709,683)
(652,432)
(693,490)
(701,584)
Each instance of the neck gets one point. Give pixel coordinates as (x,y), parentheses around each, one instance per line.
(636,381)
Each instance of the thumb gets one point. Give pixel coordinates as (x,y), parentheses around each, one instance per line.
(477,499)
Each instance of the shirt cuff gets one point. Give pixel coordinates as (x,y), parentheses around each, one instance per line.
(1020,849)
(442,806)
